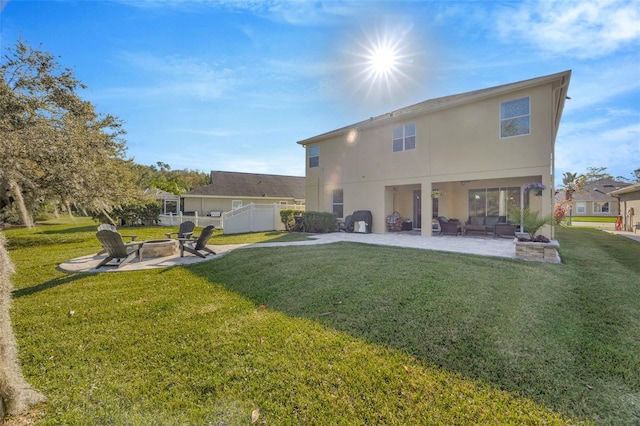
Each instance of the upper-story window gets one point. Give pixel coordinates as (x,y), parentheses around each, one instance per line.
(515,117)
(314,156)
(404,137)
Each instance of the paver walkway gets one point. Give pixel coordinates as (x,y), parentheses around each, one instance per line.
(499,247)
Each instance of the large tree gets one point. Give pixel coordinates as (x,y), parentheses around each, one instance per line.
(596,173)
(54,147)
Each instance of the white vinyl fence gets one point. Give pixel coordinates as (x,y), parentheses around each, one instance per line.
(177,219)
(255,218)
(248,218)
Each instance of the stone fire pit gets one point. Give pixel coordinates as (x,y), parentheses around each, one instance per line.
(159,248)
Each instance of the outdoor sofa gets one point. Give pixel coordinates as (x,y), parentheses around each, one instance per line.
(484,224)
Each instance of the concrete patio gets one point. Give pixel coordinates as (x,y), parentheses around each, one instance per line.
(483,246)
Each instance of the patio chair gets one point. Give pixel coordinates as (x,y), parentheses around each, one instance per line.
(110,227)
(116,249)
(185,230)
(347,226)
(449,226)
(195,246)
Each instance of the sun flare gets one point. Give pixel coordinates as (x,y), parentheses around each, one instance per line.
(383,60)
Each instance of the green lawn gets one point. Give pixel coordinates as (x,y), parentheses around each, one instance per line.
(596,219)
(331,334)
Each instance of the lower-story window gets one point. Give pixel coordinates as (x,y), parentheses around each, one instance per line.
(581,207)
(601,207)
(337,202)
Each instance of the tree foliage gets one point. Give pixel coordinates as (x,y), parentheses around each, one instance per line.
(54,147)
(176,182)
(596,173)
(572,182)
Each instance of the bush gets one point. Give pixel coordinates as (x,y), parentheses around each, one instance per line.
(288,218)
(319,222)
(559,213)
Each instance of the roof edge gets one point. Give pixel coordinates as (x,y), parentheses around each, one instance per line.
(447,102)
(626,189)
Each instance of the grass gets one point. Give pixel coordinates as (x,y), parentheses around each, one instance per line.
(597,219)
(331,334)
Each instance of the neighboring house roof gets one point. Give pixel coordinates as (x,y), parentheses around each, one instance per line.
(598,190)
(631,188)
(250,185)
(459,99)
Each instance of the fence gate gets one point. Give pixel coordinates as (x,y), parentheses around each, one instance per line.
(255,218)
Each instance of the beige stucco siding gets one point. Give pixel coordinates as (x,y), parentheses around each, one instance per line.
(458,147)
(454,144)
(466,139)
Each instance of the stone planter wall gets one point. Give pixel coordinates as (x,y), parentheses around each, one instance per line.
(539,252)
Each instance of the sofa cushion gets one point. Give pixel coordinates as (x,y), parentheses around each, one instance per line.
(491,220)
(476,220)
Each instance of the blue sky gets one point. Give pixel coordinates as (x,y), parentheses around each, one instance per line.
(233,84)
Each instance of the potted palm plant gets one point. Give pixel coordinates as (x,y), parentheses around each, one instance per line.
(530,245)
(531,221)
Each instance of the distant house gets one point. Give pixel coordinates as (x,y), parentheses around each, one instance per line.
(231,190)
(595,198)
(461,156)
(169,203)
(629,199)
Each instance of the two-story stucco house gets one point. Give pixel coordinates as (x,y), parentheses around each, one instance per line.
(478,149)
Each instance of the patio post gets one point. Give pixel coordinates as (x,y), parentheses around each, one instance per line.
(522,209)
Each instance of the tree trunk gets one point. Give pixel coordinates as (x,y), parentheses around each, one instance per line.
(15,393)
(108,217)
(68,205)
(25,216)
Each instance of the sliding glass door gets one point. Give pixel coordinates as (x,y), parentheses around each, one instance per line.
(494,201)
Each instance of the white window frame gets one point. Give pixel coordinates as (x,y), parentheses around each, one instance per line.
(581,207)
(405,136)
(597,207)
(236,204)
(314,154)
(512,118)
